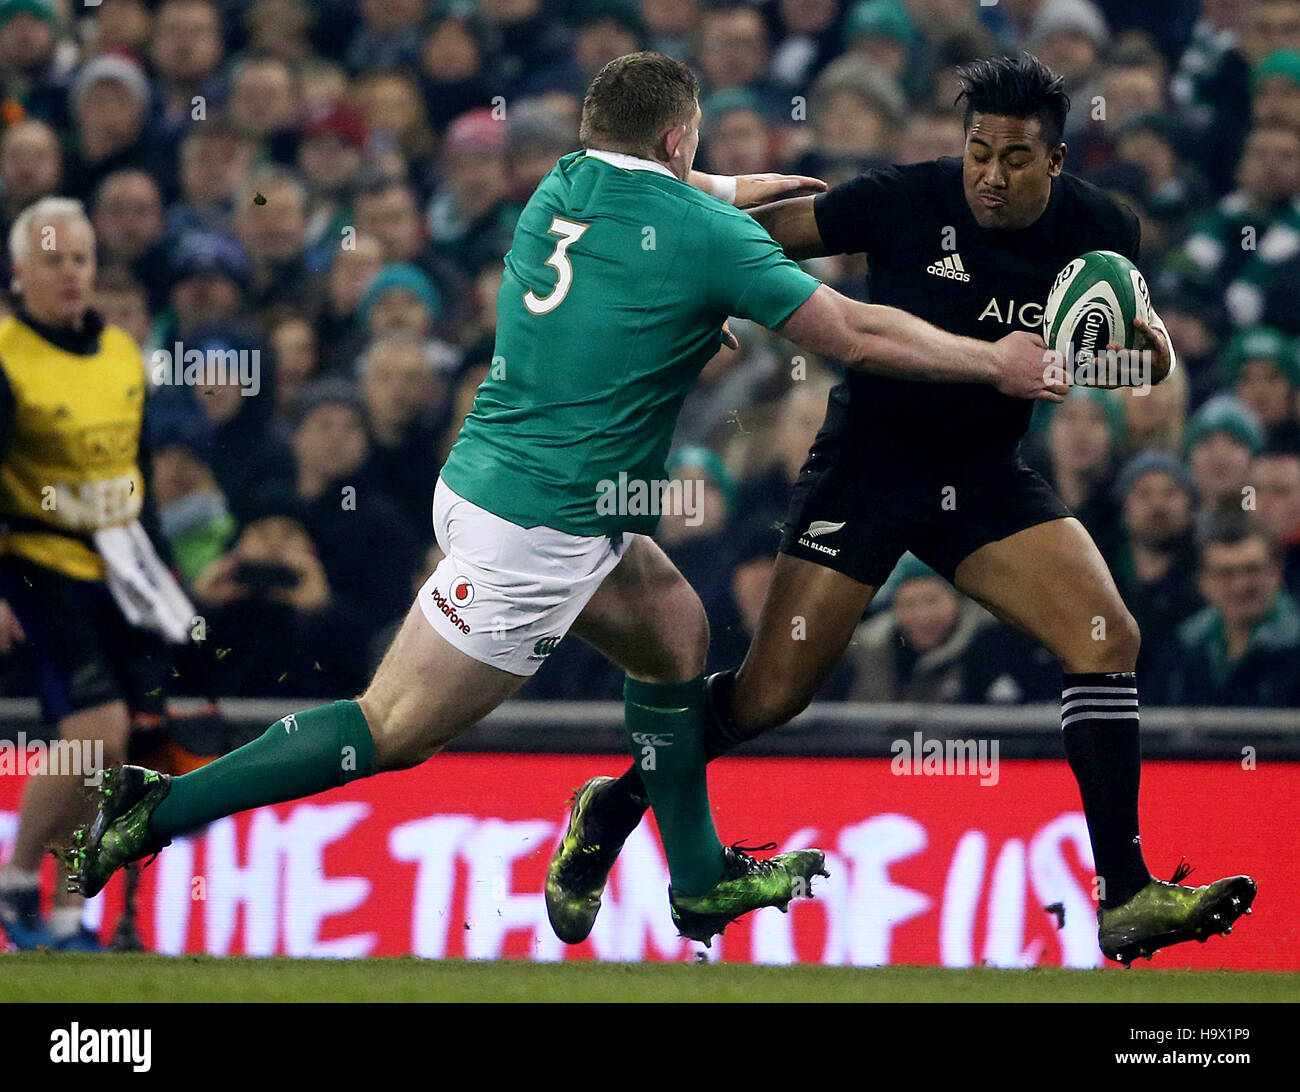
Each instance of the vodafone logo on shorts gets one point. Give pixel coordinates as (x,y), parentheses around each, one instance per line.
(462,592)
(445,604)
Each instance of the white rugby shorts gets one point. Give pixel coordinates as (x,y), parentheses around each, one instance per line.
(506,594)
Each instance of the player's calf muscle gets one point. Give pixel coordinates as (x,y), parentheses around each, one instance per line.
(762,703)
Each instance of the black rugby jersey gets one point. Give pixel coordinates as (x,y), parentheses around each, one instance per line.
(928,255)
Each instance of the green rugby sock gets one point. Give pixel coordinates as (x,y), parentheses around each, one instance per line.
(665,721)
(299,755)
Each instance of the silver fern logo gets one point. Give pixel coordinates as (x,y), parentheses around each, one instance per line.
(820,527)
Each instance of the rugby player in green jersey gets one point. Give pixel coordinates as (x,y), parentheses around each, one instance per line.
(620,278)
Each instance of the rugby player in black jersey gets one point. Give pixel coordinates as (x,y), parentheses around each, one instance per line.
(972,245)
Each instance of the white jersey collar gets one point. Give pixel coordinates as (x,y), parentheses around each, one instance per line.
(630,162)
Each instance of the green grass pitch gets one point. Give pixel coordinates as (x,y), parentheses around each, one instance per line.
(41,976)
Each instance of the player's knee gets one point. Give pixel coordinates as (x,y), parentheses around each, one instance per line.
(683,647)
(1114,646)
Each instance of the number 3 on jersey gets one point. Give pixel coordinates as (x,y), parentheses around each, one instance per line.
(569,233)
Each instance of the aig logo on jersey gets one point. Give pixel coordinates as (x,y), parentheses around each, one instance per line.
(1027,314)
(462,592)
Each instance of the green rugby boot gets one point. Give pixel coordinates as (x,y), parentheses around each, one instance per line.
(747,884)
(119,833)
(580,867)
(1162,914)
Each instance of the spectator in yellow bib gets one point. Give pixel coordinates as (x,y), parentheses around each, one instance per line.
(82,590)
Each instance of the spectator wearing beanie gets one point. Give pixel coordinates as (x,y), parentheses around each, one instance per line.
(857,116)
(915,649)
(331,151)
(1069,37)
(1082,440)
(247,458)
(1263,370)
(33,70)
(110,98)
(209,277)
(468,215)
(882,33)
(694,530)
(361,536)
(1222,437)
(1155,564)
(192,510)
(1276,85)
(737,136)
(400,300)
(536,137)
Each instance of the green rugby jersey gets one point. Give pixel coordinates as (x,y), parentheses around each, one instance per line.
(613,298)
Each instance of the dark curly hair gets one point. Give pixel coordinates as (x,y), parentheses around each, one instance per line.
(1016,87)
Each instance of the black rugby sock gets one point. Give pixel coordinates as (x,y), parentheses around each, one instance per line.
(1099,726)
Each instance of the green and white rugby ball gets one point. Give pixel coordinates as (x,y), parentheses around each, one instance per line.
(1093,302)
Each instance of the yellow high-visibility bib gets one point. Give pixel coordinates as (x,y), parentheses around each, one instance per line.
(71,456)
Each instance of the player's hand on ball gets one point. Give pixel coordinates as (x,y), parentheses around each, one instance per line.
(1025,372)
(11,630)
(1148,337)
(758,189)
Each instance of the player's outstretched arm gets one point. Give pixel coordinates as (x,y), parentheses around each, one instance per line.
(887,341)
(793,224)
(744,190)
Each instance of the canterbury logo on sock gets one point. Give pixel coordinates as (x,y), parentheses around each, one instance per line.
(649,739)
(290,723)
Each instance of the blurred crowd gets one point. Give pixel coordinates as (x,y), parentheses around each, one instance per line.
(333,184)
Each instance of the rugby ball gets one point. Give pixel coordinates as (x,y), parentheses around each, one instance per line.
(1093,302)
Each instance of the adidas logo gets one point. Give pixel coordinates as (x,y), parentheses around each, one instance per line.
(950,267)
